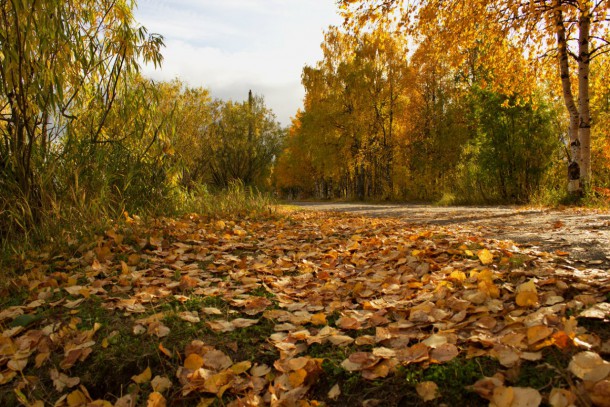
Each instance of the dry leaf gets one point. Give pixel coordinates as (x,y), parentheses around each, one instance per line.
(143,377)
(561,398)
(61,380)
(527,295)
(193,361)
(485,257)
(156,399)
(334,392)
(160,384)
(427,390)
(589,366)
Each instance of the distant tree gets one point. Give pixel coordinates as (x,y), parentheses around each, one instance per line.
(242,142)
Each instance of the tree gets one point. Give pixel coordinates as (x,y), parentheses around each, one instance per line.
(540,29)
(59,59)
(242,142)
(349,127)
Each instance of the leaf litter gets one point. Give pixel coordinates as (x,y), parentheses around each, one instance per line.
(391,294)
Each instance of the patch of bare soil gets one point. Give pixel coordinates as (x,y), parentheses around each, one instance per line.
(583,234)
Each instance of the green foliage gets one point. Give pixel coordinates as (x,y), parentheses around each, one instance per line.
(58,60)
(243,141)
(512,150)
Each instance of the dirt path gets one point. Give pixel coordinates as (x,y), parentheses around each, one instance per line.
(585,234)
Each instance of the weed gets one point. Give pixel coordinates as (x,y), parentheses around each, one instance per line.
(261,291)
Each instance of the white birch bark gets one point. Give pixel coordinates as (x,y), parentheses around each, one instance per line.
(584,129)
(568,97)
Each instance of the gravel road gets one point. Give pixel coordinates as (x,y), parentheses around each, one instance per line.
(584,233)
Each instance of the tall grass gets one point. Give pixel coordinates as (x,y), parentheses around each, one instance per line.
(236,200)
(66,223)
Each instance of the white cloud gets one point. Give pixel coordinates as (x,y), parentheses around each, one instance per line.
(231,46)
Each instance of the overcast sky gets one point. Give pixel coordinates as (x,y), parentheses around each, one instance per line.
(232,46)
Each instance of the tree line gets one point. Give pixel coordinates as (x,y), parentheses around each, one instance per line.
(483,102)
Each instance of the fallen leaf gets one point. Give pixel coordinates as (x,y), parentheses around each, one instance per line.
(62,381)
(589,366)
(561,398)
(427,390)
(143,377)
(485,256)
(193,361)
(527,295)
(334,392)
(156,399)
(161,384)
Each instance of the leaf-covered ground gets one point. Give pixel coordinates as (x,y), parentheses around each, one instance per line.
(305,308)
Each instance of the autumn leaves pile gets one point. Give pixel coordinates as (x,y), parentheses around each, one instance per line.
(382,292)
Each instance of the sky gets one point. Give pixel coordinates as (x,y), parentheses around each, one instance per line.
(233,46)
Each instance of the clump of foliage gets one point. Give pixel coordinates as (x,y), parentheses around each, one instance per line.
(85,138)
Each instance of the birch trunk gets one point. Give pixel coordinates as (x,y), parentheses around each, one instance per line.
(584,129)
(568,97)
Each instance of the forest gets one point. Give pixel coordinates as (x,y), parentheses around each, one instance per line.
(479,103)
(431,229)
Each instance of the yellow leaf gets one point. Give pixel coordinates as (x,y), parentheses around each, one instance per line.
(165,351)
(241,367)
(193,361)
(485,257)
(76,398)
(537,333)
(457,275)
(527,295)
(297,378)
(143,377)
(219,383)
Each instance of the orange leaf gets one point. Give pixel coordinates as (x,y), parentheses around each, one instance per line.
(193,361)
(143,377)
(156,399)
(165,351)
(318,319)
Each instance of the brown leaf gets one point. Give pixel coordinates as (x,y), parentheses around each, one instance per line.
(61,380)
(216,360)
(444,353)
(260,370)
(161,384)
(589,366)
